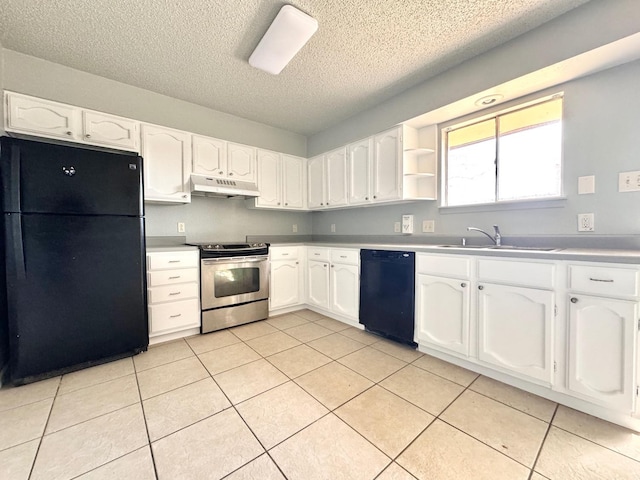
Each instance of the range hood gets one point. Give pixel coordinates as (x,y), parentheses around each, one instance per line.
(207,186)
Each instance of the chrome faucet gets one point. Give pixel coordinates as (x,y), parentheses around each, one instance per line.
(497,239)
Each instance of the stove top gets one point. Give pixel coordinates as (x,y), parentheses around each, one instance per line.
(215,249)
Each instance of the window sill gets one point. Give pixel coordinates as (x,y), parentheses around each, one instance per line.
(555,202)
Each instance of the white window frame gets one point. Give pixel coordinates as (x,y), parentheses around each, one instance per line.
(453,125)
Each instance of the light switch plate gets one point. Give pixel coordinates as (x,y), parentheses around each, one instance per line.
(428,226)
(407,224)
(629,182)
(181,227)
(586,185)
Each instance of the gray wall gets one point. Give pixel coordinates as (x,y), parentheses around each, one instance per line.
(600,138)
(589,26)
(222,219)
(34,76)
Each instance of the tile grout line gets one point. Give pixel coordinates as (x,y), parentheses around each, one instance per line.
(544,439)
(33,464)
(144,417)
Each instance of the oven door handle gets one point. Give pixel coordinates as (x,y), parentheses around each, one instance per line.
(225,261)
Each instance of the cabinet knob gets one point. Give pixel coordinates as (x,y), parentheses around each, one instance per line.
(286,204)
(321,204)
(87,136)
(327,203)
(278,203)
(324,265)
(366,198)
(480,287)
(231,174)
(463,285)
(332,266)
(574,300)
(184,196)
(297,263)
(221,172)
(69,133)
(375,196)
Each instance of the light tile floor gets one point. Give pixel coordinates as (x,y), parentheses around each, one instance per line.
(298,396)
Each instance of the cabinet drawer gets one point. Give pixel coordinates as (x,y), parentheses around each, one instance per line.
(284,253)
(442,265)
(347,256)
(172,293)
(604,280)
(318,253)
(164,260)
(529,274)
(173,316)
(169,277)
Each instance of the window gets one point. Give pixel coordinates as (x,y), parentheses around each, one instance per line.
(514,155)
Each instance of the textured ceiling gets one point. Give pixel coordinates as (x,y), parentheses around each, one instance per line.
(364,52)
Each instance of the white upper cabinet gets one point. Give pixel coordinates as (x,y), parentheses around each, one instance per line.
(167,164)
(293,191)
(316,182)
(360,159)
(110,131)
(336,175)
(387,165)
(34,116)
(43,118)
(209,156)
(241,162)
(280,180)
(269,179)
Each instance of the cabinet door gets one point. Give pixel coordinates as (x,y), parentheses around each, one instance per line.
(442,313)
(42,118)
(269,176)
(167,164)
(387,166)
(345,289)
(515,329)
(315,180)
(284,289)
(318,283)
(109,130)
(336,165)
(209,156)
(293,181)
(241,162)
(602,336)
(360,156)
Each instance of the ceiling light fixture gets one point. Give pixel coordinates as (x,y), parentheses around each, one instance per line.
(488,100)
(289,32)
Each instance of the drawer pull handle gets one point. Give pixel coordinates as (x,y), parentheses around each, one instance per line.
(175,261)
(173,278)
(343,256)
(175,293)
(574,300)
(285,254)
(175,316)
(317,254)
(600,280)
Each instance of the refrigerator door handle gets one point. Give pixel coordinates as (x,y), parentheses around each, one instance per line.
(17,245)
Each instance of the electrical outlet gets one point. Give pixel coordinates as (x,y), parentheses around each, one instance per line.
(407,224)
(629,182)
(428,226)
(181,228)
(295,228)
(586,222)
(333,228)
(396,227)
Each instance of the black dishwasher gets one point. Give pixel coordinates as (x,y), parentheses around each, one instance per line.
(387,292)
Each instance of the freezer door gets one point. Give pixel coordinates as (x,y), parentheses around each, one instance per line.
(40,177)
(76,290)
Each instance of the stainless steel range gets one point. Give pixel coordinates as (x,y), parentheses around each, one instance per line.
(234,284)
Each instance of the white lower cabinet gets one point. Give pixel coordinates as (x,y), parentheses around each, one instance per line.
(318,283)
(287,283)
(515,329)
(442,313)
(173,291)
(333,279)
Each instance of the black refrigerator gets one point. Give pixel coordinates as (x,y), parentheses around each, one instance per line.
(73,262)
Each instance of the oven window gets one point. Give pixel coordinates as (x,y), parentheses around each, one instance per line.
(236,281)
